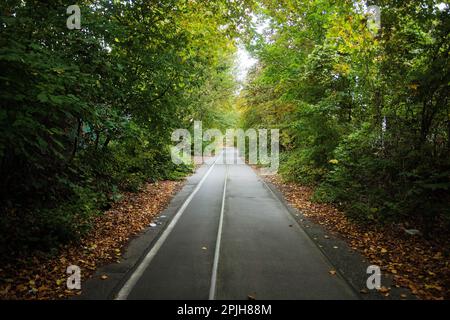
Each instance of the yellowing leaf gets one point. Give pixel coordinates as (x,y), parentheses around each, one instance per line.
(384,290)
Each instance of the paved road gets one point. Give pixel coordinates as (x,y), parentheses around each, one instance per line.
(234,238)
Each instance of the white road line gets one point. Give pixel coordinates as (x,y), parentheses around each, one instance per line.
(137,274)
(212,289)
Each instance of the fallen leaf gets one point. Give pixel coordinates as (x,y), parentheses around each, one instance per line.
(42,288)
(384,290)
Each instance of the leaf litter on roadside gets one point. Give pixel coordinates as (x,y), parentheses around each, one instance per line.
(42,277)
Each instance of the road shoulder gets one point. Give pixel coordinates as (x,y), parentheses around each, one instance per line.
(350,264)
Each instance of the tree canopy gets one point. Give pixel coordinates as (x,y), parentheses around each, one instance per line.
(87,113)
(364,113)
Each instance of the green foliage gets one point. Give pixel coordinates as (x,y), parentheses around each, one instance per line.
(364,118)
(87,113)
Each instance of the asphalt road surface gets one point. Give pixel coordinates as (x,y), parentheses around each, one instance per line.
(234,239)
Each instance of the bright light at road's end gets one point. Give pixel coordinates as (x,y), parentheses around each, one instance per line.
(244,62)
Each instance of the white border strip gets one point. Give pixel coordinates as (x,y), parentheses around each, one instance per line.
(137,274)
(212,289)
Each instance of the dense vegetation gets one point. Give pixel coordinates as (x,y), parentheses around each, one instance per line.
(364,113)
(87,113)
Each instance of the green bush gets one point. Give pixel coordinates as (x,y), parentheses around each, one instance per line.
(374,182)
(297,166)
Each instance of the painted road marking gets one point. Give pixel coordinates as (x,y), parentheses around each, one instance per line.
(137,274)
(212,290)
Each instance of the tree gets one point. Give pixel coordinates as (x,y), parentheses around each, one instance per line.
(364,116)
